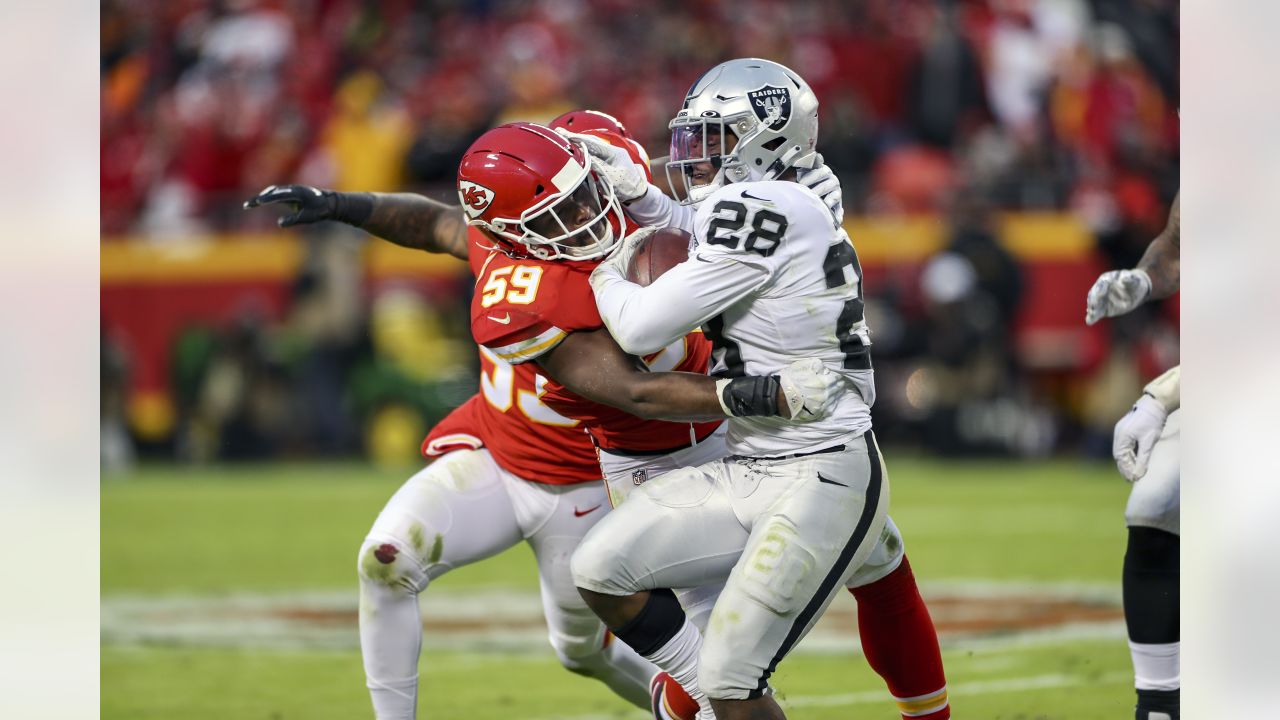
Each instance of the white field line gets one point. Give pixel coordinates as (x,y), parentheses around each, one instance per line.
(956,690)
(961,690)
(510,621)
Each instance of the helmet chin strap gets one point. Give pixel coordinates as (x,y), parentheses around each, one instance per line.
(784,163)
(698,193)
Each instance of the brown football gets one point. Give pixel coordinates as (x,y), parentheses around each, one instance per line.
(657,254)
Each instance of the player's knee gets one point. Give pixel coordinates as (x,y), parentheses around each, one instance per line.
(884,559)
(598,565)
(387,562)
(581,654)
(1153,516)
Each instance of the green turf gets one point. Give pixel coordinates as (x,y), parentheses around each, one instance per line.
(270,528)
(289,528)
(1085,681)
(292,527)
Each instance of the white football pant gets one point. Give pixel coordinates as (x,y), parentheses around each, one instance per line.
(624,473)
(784,535)
(1155,500)
(460,509)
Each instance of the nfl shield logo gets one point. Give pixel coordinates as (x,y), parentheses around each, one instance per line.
(639,476)
(772,105)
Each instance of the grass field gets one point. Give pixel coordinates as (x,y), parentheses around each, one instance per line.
(1029,531)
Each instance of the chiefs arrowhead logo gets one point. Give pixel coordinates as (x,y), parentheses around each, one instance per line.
(475,198)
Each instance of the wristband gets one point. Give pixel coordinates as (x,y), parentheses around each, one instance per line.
(753,395)
(1167,389)
(352,208)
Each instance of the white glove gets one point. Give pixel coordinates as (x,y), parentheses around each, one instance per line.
(810,389)
(824,183)
(1116,293)
(623,255)
(613,164)
(1136,436)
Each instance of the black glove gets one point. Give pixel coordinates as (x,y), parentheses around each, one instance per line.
(311,204)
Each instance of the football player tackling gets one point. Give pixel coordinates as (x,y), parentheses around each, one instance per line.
(896,632)
(511,468)
(797,509)
(1146,451)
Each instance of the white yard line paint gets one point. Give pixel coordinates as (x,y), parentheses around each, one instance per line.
(956,690)
(976,616)
(985,588)
(961,690)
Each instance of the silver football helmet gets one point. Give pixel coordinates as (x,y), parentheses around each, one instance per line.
(765,107)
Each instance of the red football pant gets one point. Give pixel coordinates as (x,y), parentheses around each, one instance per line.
(901,644)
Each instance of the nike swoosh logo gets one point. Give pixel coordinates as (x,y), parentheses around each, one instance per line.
(829,481)
(753,197)
(505,319)
(580,513)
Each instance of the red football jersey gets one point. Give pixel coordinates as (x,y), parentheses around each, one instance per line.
(523,434)
(524,307)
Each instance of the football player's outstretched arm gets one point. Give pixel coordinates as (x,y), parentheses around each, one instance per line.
(592,365)
(1162,260)
(408,220)
(1118,291)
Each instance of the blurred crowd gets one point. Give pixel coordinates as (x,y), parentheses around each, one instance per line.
(959,108)
(1042,103)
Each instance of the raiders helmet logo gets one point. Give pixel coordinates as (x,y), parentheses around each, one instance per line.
(772,105)
(475,198)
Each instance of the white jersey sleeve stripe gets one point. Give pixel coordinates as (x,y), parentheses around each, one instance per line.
(446,443)
(530,348)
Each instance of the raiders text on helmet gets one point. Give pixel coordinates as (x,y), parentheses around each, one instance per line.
(770,111)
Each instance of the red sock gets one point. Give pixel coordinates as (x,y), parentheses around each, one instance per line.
(901,645)
(675,702)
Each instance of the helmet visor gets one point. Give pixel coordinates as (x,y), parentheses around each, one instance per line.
(697,148)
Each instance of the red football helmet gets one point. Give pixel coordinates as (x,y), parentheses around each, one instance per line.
(534,193)
(584,120)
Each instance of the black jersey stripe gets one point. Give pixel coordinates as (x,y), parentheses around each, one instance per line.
(836,574)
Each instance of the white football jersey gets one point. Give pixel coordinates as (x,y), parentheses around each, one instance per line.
(771,280)
(810,305)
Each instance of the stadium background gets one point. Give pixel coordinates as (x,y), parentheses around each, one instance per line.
(995,157)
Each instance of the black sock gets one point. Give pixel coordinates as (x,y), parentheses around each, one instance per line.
(1157,701)
(656,623)
(1150,582)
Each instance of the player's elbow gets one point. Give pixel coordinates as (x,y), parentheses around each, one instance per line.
(638,340)
(639,400)
(642,397)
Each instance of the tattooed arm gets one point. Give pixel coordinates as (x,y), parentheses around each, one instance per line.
(1156,277)
(408,220)
(1162,262)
